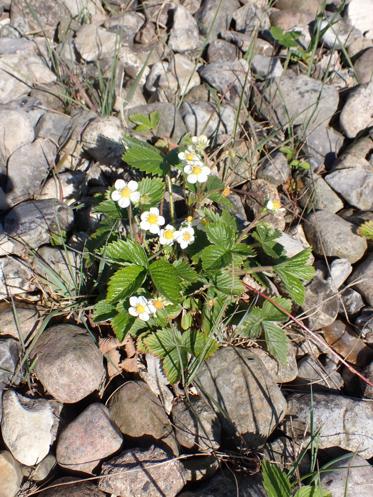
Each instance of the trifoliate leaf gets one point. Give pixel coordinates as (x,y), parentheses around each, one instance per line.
(214,257)
(267,237)
(275,481)
(165,279)
(151,191)
(125,282)
(127,251)
(222,234)
(143,156)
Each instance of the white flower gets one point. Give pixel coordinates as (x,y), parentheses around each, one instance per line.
(151,220)
(185,237)
(197,172)
(141,308)
(274,206)
(125,193)
(200,142)
(159,304)
(190,156)
(168,235)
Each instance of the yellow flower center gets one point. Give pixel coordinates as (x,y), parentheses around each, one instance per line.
(158,304)
(187,236)
(140,308)
(168,234)
(189,156)
(189,219)
(276,204)
(153,219)
(196,170)
(226,191)
(125,192)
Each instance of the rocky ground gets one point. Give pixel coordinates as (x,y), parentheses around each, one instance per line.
(77,414)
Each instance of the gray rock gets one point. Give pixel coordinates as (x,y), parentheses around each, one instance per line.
(359,14)
(221,51)
(66,187)
(28,167)
(199,467)
(340,421)
(281,373)
(39,16)
(206,118)
(352,302)
(9,357)
(15,130)
(215,16)
(266,67)
(186,73)
(362,278)
(250,19)
(31,224)
(332,236)
(363,66)
(143,473)
(237,386)
(42,470)
(320,303)
(184,34)
(352,477)
(52,125)
(18,320)
(312,372)
(224,484)
(126,25)
(340,270)
(322,144)
(294,242)
(337,34)
(91,7)
(258,193)
(73,488)
(102,140)
(151,419)
(317,195)
(311,6)
(196,424)
(357,112)
(229,78)
(162,81)
(29,426)
(10,475)
(354,185)
(170,124)
(16,278)
(68,363)
(298,100)
(94,43)
(88,439)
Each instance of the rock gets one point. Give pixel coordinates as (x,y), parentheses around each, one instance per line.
(352,302)
(229,78)
(18,320)
(16,278)
(15,130)
(293,242)
(250,19)
(160,80)
(337,419)
(332,236)
(146,473)
(281,373)
(41,471)
(298,100)
(29,426)
(266,67)
(126,25)
(205,118)
(91,7)
(88,439)
(354,185)
(9,357)
(10,475)
(39,16)
(311,6)
(359,14)
(197,468)
(363,66)
(317,195)
(368,389)
(221,51)
(338,33)
(340,270)
(28,167)
(350,477)
(362,277)
(320,303)
(196,424)
(185,72)
(258,193)
(94,43)
(52,125)
(357,112)
(102,140)
(151,419)
(322,144)
(184,34)
(66,187)
(68,363)
(237,385)
(312,372)
(215,16)
(31,224)
(73,488)
(224,484)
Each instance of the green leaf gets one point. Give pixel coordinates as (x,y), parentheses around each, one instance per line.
(151,191)
(366,230)
(275,482)
(121,324)
(276,341)
(214,257)
(308,491)
(165,279)
(103,311)
(286,39)
(251,323)
(266,236)
(200,345)
(272,313)
(143,156)
(227,282)
(145,122)
(127,251)
(125,282)
(214,184)
(185,271)
(110,209)
(221,234)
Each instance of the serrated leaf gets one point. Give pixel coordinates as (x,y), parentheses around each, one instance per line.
(275,481)
(143,156)
(267,237)
(272,313)
(109,208)
(229,283)
(165,279)
(276,341)
(151,191)
(221,234)
(214,257)
(103,311)
(185,271)
(200,345)
(125,282)
(308,491)
(121,324)
(251,323)
(127,251)
(214,184)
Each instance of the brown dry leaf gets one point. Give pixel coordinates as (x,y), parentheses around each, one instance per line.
(130,365)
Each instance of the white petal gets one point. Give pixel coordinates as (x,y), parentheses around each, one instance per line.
(144,216)
(133,301)
(119,184)
(115,195)
(188,169)
(181,155)
(161,220)
(202,178)
(135,197)
(169,227)
(142,300)
(183,244)
(192,178)
(153,228)
(144,225)
(132,311)
(133,185)
(124,202)
(151,308)
(154,210)
(144,316)
(206,170)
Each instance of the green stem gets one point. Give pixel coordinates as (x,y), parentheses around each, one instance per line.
(172,205)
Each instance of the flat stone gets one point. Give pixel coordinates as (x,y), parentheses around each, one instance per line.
(340,270)
(266,67)
(354,185)
(102,140)
(250,19)
(237,385)
(68,363)
(320,303)
(350,477)
(281,373)
(362,277)
(332,236)
(92,7)
(352,302)
(184,33)
(312,372)
(38,16)
(143,473)
(337,419)
(311,6)
(88,439)
(15,130)
(16,277)
(215,16)
(18,321)
(185,72)
(10,475)
(357,112)
(94,43)
(229,78)
(322,144)
(9,357)
(359,13)
(363,66)
(224,484)
(205,118)
(220,50)
(29,426)
(42,470)
(73,488)
(66,187)
(52,125)
(317,195)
